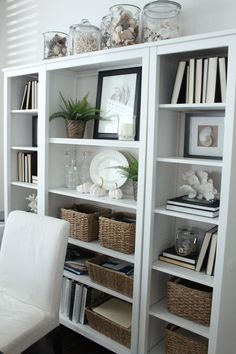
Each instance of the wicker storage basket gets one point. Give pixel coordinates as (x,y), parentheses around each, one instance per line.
(83,219)
(179,343)
(189,300)
(117,232)
(110,329)
(109,278)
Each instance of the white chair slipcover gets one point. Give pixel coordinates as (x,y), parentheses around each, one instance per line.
(31,267)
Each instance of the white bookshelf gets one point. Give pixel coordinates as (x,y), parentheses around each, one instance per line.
(161,164)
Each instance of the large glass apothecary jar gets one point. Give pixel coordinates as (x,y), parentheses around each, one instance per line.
(55,44)
(160,20)
(84,37)
(125,25)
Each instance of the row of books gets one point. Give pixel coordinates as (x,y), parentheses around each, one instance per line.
(27,167)
(30,95)
(196,207)
(75,297)
(200,80)
(204,259)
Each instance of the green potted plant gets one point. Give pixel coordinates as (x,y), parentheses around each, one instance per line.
(76,113)
(131,171)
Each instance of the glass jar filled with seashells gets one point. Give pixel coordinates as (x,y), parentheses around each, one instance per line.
(125,25)
(84,37)
(160,20)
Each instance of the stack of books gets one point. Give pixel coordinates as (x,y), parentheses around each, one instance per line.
(200,80)
(198,261)
(27,167)
(196,207)
(30,95)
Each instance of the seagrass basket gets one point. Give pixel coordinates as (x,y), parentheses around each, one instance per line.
(109,278)
(83,219)
(117,232)
(75,129)
(107,327)
(189,300)
(179,343)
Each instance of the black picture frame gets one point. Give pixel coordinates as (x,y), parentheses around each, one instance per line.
(203,136)
(109,79)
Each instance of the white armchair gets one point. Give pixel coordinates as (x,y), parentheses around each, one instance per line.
(31,266)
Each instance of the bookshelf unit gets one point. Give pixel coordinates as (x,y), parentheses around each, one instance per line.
(165,165)
(161,164)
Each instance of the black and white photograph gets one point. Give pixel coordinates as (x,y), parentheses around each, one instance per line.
(118,98)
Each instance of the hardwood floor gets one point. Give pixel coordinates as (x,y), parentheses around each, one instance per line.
(71,342)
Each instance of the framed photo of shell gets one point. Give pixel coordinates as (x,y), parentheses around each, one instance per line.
(118,98)
(204,135)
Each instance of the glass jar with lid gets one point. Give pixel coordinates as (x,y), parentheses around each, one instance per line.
(160,20)
(85,37)
(106,32)
(125,25)
(55,44)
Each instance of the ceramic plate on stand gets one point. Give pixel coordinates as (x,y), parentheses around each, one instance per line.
(102,169)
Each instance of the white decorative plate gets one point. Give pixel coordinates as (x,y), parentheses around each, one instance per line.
(101,171)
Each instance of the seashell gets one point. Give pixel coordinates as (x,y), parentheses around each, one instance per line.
(205,137)
(126,35)
(118,29)
(84,188)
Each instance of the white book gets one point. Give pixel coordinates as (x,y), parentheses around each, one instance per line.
(67,296)
(178,82)
(23,102)
(211,81)
(77,302)
(212,254)
(83,304)
(32,94)
(204,247)
(204,80)
(198,81)
(28,103)
(62,301)
(222,71)
(191,80)
(26,168)
(187,84)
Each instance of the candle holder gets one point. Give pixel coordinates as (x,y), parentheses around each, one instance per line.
(126,128)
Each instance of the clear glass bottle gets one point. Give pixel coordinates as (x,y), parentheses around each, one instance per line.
(125,25)
(85,37)
(71,170)
(106,32)
(160,20)
(84,165)
(55,44)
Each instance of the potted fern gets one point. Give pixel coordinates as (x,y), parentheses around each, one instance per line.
(76,113)
(131,171)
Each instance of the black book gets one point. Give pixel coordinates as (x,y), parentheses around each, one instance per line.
(183,201)
(171,253)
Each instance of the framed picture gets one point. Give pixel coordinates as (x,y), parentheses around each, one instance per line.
(118,98)
(204,134)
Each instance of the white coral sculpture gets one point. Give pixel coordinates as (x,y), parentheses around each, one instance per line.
(198,185)
(33,202)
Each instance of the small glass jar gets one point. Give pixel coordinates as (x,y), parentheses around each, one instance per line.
(125,25)
(85,37)
(160,20)
(106,32)
(55,44)
(186,242)
(71,170)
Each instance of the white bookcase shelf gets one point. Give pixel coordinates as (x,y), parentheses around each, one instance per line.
(24,184)
(193,107)
(24,148)
(190,161)
(160,311)
(25,111)
(96,142)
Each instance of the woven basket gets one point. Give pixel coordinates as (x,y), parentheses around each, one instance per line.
(177,343)
(110,329)
(83,220)
(189,300)
(109,278)
(117,234)
(75,129)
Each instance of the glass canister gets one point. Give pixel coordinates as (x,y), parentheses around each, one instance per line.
(125,25)
(55,44)
(106,32)
(160,20)
(85,37)
(186,242)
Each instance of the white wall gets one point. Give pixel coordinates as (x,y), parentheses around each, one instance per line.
(198,16)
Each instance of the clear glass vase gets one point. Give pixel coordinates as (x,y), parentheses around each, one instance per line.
(71,170)
(185,242)
(84,165)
